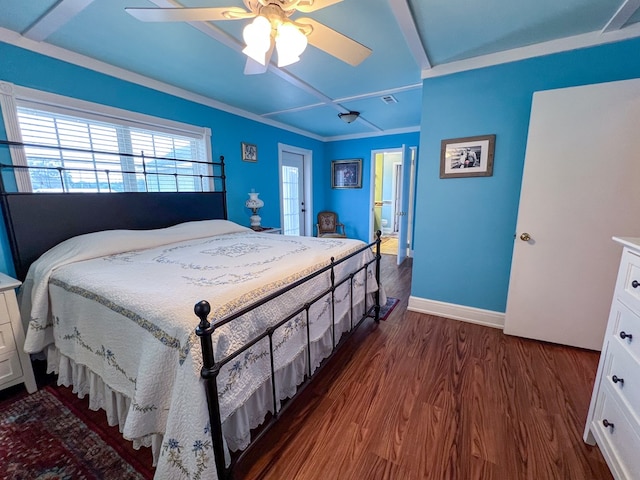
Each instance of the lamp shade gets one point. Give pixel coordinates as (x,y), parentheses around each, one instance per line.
(349,117)
(255,204)
(257,36)
(290,43)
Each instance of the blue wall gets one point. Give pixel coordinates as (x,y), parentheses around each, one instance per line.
(465,227)
(353,204)
(28,69)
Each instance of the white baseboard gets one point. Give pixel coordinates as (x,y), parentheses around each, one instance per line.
(457,312)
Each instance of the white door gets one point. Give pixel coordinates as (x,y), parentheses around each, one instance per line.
(579,188)
(403,217)
(396,205)
(293,195)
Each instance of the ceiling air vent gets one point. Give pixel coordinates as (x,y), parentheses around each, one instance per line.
(389,99)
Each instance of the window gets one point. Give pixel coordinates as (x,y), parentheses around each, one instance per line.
(76,150)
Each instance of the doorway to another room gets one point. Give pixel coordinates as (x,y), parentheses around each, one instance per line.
(392,199)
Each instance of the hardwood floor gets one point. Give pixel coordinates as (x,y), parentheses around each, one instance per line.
(422,397)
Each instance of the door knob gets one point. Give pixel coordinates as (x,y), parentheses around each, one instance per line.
(525,237)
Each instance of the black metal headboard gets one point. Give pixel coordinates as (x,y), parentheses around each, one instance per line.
(38,221)
(35,222)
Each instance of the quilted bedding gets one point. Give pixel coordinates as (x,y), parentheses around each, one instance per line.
(114,312)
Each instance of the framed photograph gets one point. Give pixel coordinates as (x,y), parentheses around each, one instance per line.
(346,173)
(467,157)
(249,152)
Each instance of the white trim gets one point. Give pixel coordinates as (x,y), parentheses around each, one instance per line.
(12,128)
(407,24)
(372,185)
(13,38)
(55,18)
(364,96)
(383,133)
(38,99)
(576,42)
(14,96)
(307,162)
(413,159)
(379,93)
(624,13)
(478,316)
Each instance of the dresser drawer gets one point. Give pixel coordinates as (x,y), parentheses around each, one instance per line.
(10,368)
(621,371)
(620,441)
(625,329)
(628,284)
(4,312)
(7,343)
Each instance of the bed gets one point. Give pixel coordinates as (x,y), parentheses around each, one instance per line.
(192,334)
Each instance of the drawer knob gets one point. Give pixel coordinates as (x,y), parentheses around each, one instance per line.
(617,379)
(624,335)
(635,284)
(607,424)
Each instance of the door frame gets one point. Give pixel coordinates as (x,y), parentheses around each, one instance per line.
(396,192)
(307,162)
(372,189)
(413,155)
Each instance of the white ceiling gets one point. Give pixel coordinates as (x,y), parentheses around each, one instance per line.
(410,39)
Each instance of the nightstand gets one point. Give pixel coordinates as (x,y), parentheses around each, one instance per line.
(267,230)
(15,364)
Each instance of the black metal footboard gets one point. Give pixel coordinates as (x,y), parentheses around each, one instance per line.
(211,368)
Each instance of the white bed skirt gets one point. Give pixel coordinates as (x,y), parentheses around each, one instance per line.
(237,428)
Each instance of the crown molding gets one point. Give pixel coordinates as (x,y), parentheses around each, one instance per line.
(586,40)
(382,133)
(43,48)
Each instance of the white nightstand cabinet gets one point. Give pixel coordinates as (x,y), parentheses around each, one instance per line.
(15,364)
(613,421)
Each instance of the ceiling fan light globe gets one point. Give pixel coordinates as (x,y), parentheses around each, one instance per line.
(257,36)
(283,60)
(290,43)
(256,54)
(349,117)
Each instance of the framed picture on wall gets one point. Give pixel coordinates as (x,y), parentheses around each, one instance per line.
(346,173)
(467,157)
(249,152)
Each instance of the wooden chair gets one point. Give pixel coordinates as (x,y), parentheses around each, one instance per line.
(328,225)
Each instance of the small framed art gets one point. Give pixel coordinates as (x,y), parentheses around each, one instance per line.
(467,157)
(346,173)
(249,152)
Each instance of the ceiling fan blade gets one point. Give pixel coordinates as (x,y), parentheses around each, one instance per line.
(197,14)
(307,6)
(335,43)
(256,68)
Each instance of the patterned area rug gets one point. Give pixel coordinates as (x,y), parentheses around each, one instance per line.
(40,438)
(387,308)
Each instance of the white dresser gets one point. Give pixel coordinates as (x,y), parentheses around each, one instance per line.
(15,364)
(613,421)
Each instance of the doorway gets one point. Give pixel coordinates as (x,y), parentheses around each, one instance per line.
(295,190)
(390,192)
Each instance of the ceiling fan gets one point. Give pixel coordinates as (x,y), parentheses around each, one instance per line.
(271,29)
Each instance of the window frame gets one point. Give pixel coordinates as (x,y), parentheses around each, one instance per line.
(14,96)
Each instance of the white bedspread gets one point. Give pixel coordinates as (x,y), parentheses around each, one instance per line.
(120,305)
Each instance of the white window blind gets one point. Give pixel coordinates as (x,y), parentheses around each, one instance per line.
(76,153)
